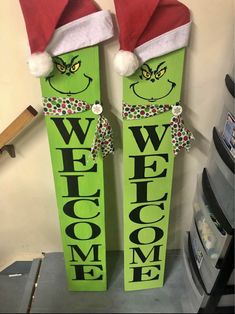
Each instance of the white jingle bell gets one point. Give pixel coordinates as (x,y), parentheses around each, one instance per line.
(97,109)
(177,110)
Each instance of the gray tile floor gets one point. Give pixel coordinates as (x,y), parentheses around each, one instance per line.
(52,296)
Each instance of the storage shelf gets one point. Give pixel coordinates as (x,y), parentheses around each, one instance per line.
(223,151)
(211,199)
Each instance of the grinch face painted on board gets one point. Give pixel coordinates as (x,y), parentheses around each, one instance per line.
(156,81)
(75,74)
(160,86)
(69,72)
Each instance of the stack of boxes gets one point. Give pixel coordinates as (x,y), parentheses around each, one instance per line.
(209,246)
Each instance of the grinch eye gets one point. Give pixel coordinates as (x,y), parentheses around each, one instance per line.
(75,67)
(61,68)
(160,73)
(146,74)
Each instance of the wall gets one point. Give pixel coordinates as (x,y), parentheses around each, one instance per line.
(28,212)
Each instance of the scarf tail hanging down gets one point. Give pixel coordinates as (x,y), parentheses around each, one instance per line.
(181,136)
(103,138)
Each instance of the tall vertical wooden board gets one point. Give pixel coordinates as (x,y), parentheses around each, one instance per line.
(78,178)
(148,168)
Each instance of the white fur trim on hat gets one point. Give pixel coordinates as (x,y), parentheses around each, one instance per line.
(165,43)
(84,32)
(40,64)
(125,63)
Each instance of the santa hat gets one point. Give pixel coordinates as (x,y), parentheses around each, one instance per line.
(55,27)
(149,29)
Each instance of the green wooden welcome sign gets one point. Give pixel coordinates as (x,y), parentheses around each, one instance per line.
(68,92)
(149,96)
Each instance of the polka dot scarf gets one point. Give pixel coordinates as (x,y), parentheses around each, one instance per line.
(181,136)
(103,138)
(58,106)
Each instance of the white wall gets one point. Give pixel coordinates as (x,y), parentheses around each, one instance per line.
(28,213)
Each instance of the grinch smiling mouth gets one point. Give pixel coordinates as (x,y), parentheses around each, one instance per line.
(89,80)
(149,78)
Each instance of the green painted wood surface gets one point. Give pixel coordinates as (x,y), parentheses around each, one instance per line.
(148,170)
(79,183)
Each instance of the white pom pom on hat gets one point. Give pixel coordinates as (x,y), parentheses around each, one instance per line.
(125,63)
(60,27)
(149,29)
(40,64)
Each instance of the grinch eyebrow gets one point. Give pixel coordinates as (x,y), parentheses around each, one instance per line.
(149,69)
(160,65)
(59,60)
(71,63)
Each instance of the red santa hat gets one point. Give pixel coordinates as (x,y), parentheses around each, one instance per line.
(55,27)
(149,29)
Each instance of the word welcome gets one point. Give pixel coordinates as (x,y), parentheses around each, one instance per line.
(147,206)
(82,212)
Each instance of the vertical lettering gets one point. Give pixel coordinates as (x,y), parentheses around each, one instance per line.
(87,272)
(75,128)
(76,249)
(138,273)
(152,136)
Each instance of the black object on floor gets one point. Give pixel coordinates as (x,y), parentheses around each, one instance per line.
(17,284)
